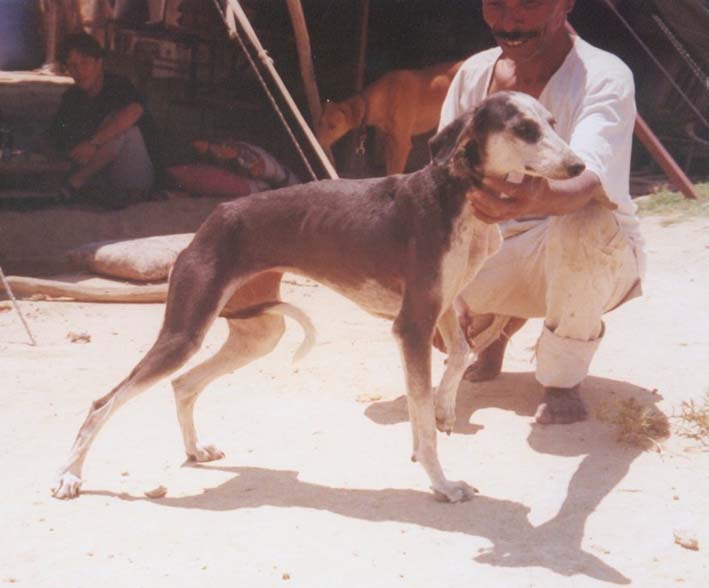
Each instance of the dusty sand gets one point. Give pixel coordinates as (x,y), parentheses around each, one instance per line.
(317,488)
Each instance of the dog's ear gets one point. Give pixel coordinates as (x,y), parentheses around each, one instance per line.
(443,144)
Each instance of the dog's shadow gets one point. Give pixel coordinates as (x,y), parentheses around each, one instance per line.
(605,461)
(515,542)
(555,544)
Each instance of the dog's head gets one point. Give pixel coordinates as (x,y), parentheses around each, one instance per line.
(338,118)
(508,132)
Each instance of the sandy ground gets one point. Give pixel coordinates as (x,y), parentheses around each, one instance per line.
(317,488)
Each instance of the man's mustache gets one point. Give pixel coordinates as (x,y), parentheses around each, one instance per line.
(515,35)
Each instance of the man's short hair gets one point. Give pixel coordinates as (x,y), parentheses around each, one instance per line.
(82,43)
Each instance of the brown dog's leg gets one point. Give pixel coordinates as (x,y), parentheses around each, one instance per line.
(396,151)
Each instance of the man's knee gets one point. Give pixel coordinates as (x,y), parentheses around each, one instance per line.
(585,239)
(591,225)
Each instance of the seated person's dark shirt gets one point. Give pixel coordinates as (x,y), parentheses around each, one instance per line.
(80,115)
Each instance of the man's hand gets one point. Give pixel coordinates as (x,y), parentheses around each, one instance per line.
(519,199)
(83,152)
(533,196)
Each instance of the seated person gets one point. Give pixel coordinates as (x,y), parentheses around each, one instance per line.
(103,127)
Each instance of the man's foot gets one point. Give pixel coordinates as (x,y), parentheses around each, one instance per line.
(561,406)
(488,365)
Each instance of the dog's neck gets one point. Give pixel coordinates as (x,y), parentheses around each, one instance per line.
(358,109)
(441,176)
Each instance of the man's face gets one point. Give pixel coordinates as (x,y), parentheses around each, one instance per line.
(86,71)
(524,29)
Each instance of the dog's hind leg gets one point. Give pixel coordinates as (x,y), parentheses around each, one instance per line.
(167,355)
(414,337)
(248,340)
(194,300)
(458,359)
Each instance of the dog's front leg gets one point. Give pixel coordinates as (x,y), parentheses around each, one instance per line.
(414,335)
(458,360)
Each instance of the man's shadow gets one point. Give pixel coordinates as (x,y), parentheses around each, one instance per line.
(605,462)
(555,545)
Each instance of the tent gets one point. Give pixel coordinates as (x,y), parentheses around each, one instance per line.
(665,44)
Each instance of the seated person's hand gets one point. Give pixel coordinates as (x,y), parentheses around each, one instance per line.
(83,152)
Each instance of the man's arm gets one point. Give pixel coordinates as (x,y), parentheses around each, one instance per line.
(118,123)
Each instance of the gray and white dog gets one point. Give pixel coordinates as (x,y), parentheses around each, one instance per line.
(402,247)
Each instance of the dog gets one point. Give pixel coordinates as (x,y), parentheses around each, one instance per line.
(402,103)
(401,247)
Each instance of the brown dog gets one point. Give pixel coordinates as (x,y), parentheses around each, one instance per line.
(402,103)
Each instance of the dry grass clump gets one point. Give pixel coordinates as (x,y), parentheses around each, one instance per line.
(637,425)
(694,420)
(673,206)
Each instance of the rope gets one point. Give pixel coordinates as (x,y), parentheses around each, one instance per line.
(693,65)
(264,58)
(656,61)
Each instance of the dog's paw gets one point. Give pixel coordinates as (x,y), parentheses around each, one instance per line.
(202,453)
(67,486)
(454,492)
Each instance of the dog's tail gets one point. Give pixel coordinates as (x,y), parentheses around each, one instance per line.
(284,309)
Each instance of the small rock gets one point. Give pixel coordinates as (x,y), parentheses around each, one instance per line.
(687,539)
(368,397)
(78,337)
(158,492)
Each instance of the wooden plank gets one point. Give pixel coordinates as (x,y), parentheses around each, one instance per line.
(305,58)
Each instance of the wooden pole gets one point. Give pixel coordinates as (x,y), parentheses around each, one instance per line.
(362,52)
(307,72)
(234,13)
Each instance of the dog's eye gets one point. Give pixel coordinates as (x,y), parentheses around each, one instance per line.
(472,154)
(528,131)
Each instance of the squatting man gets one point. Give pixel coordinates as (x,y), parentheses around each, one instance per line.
(565,257)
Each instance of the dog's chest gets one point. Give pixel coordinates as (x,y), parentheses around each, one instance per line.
(471,243)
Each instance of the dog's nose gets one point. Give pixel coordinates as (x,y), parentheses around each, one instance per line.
(575,169)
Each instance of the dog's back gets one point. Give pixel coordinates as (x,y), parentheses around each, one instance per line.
(402,103)
(409,97)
